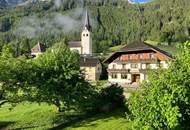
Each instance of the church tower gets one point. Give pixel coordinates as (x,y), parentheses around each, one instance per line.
(86,37)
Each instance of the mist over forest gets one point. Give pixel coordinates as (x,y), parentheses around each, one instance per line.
(114,22)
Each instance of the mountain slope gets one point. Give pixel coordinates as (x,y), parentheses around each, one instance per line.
(114,22)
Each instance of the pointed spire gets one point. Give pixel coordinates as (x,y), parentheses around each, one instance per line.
(87,22)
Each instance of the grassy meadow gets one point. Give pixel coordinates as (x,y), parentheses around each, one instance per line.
(32,116)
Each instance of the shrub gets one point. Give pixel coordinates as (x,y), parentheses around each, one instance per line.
(164,101)
(109,98)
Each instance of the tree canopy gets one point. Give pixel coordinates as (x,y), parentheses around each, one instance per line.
(53,77)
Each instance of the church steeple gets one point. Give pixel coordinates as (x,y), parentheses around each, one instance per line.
(87,22)
(86,37)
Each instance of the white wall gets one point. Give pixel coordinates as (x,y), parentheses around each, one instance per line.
(119,79)
(143,76)
(144,66)
(154,66)
(86,42)
(164,64)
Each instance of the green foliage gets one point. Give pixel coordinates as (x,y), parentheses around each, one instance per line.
(42,116)
(27,116)
(103,121)
(112,94)
(108,99)
(7,51)
(53,77)
(164,101)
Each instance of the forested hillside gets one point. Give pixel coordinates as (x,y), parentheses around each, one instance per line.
(114,22)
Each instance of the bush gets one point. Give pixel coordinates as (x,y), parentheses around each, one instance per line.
(164,101)
(109,98)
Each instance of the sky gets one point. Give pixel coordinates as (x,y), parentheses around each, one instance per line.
(140,1)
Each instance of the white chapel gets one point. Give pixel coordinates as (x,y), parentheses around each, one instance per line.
(89,64)
(84,47)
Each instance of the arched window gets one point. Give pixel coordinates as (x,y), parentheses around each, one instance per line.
(87,35)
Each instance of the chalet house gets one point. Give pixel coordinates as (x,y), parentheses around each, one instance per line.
(131,63)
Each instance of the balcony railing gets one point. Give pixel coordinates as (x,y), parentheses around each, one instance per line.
(128,70)
(155,60)
(119,70)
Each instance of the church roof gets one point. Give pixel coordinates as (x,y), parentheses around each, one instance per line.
(88,61)
(40,47)
(87,21)
(137,47)
(74,44)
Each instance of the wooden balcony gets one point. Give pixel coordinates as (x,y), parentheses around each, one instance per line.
(128,71)
(118,70)
(155,60)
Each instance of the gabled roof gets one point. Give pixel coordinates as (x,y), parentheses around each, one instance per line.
(40,47)
(74,44)
(88,61)
(137,47)
(141,46)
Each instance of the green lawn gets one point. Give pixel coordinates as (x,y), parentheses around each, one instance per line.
(114,121)
(27,116)
(115,48)
(31,116)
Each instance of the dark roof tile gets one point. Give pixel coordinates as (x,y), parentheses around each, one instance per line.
(141,46)
(136,47)
(74,44)
(88,61)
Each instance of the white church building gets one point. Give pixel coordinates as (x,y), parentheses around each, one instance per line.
(84,47)
(89,64)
